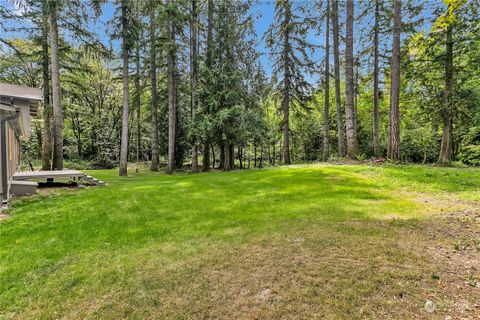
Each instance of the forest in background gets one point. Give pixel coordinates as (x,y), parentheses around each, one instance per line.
(186,85)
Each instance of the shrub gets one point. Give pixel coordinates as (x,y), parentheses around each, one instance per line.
(470,155)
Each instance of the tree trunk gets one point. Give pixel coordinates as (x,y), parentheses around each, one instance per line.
(47,108)
(394,124)
(355,88)
(213,156)
(56,90)
(171,96)
(193,78)
(221,148)
(206,153)
(273,153)
(239,155)
(376,138)
(125,77)
(231,151)
(206,157)
(154,102)
(446,149)
(338,99)
(137,104)
(286,84)
(326,111)
(352,142)
(261,157)
(226,156)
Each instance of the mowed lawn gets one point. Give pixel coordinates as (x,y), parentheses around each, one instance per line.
(298,242)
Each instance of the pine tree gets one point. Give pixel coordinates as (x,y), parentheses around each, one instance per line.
(338,98)
(394,123)
(47,108)
(352,142)
(326,111)
(376,93)
(57,163)
(194,79)
(446,148)
(291,61)
(138,96)
(47,18)
(153,83)
(171,86)
(208,67)
(126,46)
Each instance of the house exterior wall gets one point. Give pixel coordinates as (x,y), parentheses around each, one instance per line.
(24,120)
(17,103)
(13,152)
(12,155)
(10,140)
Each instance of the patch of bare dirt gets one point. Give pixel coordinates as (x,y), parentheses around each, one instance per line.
(451,243)
(322,272)
(266,295)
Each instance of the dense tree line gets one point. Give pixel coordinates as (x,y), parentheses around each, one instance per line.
(183,83)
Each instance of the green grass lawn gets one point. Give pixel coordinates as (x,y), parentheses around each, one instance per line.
(332,241)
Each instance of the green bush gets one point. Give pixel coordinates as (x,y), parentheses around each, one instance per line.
(469,152)
(470,155)
(103,164)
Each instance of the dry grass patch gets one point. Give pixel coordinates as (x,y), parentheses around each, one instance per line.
(305,242)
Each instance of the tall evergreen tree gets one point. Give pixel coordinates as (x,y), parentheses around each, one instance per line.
(376,93)
(291,61)
(326,110)
(138,96)
(338,97)
(447,110)
(126,46)
(47,18)
(57,163)
(208,66)
(446,149)
(194,79)
(394,120)
(171,86)
(47,108)
(153,83)
(352,141)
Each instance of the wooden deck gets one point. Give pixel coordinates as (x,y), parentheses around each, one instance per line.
(80,177)
(34,175)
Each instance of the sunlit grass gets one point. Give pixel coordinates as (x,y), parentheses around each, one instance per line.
(93,252)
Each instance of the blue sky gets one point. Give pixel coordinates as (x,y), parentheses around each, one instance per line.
(263,11)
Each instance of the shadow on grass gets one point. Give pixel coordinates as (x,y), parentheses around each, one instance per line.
(180,207)
(443,179)
(225,207)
